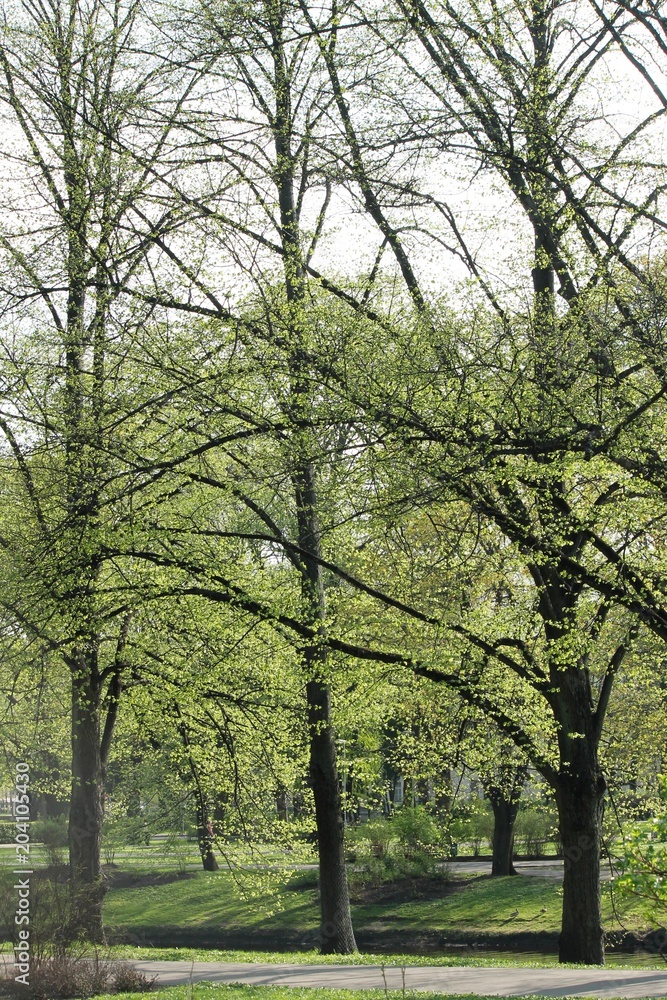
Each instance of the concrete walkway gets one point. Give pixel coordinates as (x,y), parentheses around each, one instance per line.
(548,868)
(502,982)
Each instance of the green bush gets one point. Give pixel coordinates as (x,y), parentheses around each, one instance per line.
(375,835)
(473,827)
(392,866)
(643,862)
(7,831)
(415,828)
(384,851)
(532,830)
(50,832)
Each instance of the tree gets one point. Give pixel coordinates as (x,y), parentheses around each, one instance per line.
(85,124)
(503,787)
(263,58)
(509,86)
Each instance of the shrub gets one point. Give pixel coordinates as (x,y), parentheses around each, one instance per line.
(474,827)
(392,866)
(376,833)
(7,831)
(127,979)
(50,832)
(532,830)
(75,976)
(643,862)
(415,829)
(385,851)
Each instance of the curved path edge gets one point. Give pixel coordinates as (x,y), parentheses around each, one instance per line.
(501,982)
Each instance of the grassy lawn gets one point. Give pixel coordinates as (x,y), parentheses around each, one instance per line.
(171,913)
(211,900)
(211,991)
(483,959)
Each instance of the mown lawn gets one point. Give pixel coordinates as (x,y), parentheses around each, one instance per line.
(212,991)
(211,900)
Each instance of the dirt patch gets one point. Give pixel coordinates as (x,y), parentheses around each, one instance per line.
(127,880)
(375,941)
(407,889)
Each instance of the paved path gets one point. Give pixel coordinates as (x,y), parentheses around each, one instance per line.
(545,869)
(503,982)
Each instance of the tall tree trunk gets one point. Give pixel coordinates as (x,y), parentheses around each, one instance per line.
(580,807)
(503,788)
(337,935)
(86,804)
(504,816)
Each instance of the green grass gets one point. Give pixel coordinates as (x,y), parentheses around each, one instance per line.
(211,991)
(169,855)
(211,900)
(313,957)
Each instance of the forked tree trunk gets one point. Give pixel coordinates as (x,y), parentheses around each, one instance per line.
(580,807)
(86,807)
(337,935)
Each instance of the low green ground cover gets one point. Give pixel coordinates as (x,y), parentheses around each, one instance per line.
(479,959)
(212,991)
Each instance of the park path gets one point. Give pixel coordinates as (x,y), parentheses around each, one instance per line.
(501,982)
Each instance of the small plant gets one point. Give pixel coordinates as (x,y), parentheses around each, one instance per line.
(109,853)
(127,979)
(643,862)
(174,848)
(52,833)
(384,980)
(79,976)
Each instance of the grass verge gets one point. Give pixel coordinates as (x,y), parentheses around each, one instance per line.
(313,957)
(211,991)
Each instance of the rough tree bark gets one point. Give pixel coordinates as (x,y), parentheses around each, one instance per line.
(86,803)
(580,788)
(503,790)
(580,807)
